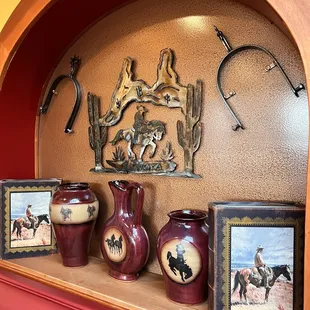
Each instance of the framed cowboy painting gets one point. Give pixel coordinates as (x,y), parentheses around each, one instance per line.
(256,253)
(26,229)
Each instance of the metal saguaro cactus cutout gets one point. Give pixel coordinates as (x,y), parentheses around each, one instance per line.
(146,132)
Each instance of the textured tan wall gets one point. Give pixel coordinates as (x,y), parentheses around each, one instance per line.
(267,161)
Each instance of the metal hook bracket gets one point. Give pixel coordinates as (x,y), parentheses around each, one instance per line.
(231,94)
(231,52)
(74,67)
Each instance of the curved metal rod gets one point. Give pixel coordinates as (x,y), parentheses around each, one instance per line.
(236,51)
(75,62)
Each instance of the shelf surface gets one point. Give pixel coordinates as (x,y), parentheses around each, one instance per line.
(93,282)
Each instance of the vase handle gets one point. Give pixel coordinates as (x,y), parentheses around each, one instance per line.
(140,198)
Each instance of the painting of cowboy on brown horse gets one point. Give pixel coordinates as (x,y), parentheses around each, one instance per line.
(30,220)
(264,280)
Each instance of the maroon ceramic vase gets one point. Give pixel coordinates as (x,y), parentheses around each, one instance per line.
(124,242)
(182,251)
(74,209)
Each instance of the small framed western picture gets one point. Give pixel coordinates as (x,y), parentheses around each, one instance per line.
(26,229)
(256,252)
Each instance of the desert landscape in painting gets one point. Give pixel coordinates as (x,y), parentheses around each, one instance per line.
(280,297)
(43,237)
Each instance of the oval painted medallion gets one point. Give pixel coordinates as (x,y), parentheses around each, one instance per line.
(115,245)
(181,260)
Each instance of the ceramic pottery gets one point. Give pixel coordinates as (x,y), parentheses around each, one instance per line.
(182,251)
(74,209)
(124,242)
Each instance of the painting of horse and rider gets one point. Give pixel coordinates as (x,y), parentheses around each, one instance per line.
(30,221)
(262,261)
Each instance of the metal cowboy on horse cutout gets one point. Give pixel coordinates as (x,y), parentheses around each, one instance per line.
(145,135)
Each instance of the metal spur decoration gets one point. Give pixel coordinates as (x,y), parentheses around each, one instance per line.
(231,52)
(74,64)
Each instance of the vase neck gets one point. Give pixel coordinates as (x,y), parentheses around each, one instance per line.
(122,197)
(74,186)
(188,217)
(122,191)
(185,223)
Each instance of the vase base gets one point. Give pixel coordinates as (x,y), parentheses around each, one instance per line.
(187,303)
(74,262)
(125,277)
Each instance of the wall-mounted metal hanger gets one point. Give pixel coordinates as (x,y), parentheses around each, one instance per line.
(231,52)
(74,64)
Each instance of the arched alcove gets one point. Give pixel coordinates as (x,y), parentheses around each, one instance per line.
(37,42)
(39,48)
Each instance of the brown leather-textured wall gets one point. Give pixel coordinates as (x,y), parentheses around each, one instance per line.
(267,161)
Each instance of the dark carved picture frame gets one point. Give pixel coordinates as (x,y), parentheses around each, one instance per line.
(22,235)
(226,216)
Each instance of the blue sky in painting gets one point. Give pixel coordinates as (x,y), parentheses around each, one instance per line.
(39,201)
(278,243)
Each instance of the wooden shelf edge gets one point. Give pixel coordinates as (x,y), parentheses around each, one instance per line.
(57,283)
(93,283)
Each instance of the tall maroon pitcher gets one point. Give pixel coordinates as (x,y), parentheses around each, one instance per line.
(125,243)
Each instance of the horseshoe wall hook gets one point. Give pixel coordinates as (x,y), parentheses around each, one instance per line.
(74,64)
(231,53)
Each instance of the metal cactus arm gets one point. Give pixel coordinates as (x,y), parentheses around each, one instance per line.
(189,135)
(97,135)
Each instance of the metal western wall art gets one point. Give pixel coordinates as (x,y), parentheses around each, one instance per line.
(166,92)
(74,64)
(232,52)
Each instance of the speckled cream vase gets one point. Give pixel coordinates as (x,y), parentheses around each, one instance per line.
(74,210)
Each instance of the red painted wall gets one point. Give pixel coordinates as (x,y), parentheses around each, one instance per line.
(18,292)
(31,66)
